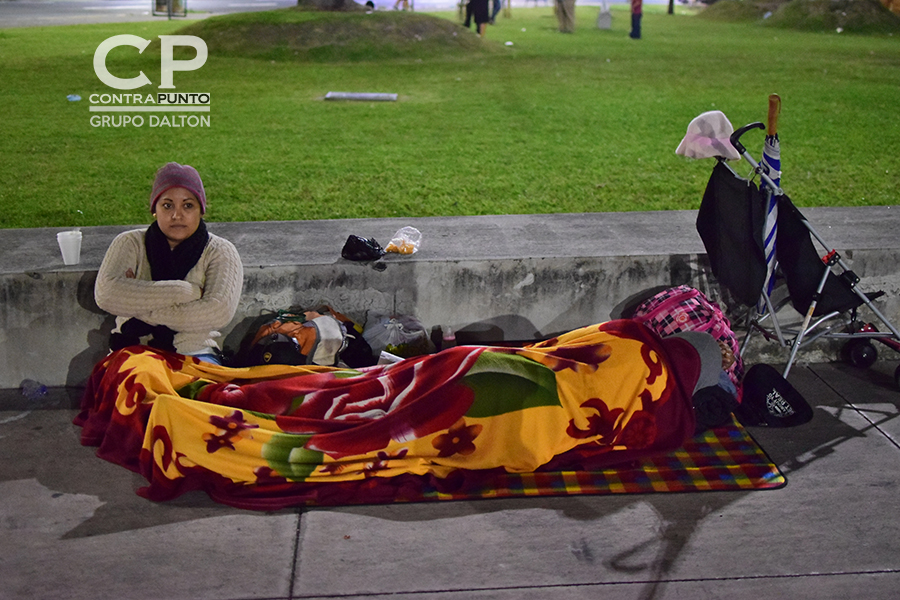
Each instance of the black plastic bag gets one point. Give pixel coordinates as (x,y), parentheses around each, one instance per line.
(360,248)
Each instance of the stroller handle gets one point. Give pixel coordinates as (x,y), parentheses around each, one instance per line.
(736,136)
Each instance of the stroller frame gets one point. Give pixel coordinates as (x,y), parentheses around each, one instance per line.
(859,350)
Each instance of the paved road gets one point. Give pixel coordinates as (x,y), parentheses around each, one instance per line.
(37,13)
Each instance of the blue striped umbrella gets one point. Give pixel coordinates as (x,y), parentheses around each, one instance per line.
(771,166)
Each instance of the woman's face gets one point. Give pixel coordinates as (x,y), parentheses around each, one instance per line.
(178,215)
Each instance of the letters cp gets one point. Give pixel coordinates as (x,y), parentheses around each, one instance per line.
(168,65)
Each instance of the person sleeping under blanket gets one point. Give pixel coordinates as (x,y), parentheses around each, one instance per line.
(275,436)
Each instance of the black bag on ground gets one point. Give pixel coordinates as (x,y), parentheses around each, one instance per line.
(770,401)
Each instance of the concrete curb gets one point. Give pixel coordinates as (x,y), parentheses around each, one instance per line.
(506,277)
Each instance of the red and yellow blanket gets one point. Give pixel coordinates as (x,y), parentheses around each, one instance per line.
(276,436)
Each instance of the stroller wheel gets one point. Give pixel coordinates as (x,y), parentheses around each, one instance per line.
(860,353)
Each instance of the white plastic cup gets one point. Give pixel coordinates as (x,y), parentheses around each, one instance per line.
(70,246)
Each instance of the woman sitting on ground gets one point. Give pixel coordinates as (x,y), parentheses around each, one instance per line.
(174,284)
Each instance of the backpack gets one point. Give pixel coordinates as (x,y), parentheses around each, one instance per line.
(296,337)
(683,308)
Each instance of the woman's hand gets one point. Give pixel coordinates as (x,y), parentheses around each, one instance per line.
(129,274)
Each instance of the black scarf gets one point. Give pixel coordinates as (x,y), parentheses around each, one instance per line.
(165,264)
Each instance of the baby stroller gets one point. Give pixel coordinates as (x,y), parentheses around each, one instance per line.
(763,251)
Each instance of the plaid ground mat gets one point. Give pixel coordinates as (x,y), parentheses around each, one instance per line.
(724,459)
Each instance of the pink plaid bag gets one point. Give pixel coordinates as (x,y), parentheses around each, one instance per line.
(684,308)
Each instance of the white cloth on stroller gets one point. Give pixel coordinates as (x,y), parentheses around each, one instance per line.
(708,137)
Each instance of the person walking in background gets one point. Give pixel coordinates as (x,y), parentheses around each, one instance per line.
(498,4)
(565,14)
(636,13)
(478,10)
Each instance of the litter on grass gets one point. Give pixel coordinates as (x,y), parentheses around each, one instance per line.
(367,96)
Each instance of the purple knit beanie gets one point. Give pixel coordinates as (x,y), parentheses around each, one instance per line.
(173,175)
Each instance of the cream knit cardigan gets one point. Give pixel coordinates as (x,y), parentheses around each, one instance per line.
(195,308)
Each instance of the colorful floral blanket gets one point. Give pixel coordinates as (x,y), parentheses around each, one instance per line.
(275,436)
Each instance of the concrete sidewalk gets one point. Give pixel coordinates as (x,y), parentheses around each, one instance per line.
(72,527)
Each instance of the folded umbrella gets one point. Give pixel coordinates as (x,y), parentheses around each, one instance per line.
(771,166)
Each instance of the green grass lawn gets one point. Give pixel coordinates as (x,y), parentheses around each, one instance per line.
(552,123)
